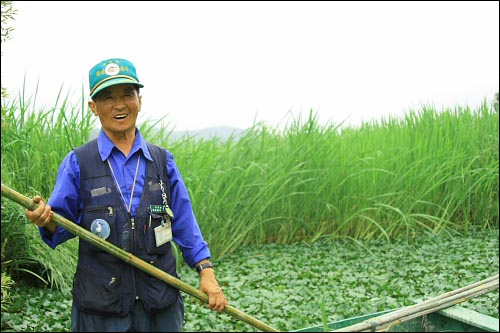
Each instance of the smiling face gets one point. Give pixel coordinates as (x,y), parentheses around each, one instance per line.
(117,108)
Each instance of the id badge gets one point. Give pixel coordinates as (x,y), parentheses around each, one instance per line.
(163,234)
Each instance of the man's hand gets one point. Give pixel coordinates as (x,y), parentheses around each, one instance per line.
(42,215)
(208,284)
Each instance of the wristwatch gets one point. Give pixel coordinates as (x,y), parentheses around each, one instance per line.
(201,267)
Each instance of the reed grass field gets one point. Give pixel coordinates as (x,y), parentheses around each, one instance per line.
(428,172)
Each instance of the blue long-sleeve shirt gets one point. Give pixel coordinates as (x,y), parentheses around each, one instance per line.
(66,200)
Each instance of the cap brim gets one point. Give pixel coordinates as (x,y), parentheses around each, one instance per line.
(115,81)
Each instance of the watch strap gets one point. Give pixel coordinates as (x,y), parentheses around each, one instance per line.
(203,266)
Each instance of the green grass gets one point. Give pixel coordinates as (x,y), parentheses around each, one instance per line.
(300,285)
(429,172)
(34,142)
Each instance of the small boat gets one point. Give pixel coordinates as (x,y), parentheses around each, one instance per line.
(452,319)
(436,314)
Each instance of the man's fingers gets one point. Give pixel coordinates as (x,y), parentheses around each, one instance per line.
(45,218)
(217,302)
(42,215)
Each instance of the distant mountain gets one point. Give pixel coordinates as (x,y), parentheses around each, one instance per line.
(222,132)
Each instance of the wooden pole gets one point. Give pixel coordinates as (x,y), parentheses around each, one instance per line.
(133,260)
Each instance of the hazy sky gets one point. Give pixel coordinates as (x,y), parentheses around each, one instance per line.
(207,64)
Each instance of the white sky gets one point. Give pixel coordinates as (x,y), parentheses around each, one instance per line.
(206,64)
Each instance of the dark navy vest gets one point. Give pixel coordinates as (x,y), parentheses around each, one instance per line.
(104,284)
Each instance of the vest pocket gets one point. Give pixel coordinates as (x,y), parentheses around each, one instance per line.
(151,248)
(106,213)
(156,294)
(100,293)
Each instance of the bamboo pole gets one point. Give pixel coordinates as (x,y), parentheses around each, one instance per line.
(384,322)
(133,260)
(442,301)
(443,304)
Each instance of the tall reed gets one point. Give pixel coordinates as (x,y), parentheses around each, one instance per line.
(34,142)
(427,172)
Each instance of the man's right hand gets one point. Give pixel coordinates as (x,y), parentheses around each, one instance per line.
(42,215)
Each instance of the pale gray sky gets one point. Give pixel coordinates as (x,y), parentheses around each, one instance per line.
(207,64)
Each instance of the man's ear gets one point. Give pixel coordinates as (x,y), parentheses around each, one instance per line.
(93,107)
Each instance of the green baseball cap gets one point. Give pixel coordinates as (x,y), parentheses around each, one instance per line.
(110,72)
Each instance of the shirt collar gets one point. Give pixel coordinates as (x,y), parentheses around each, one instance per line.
(105,145)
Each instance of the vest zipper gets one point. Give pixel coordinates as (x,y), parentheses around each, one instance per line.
(136,287)
(132,227)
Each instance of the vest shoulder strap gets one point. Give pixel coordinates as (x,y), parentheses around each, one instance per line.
(89,160)
(159,156)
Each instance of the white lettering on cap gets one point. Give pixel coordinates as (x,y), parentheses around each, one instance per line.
(112,69)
